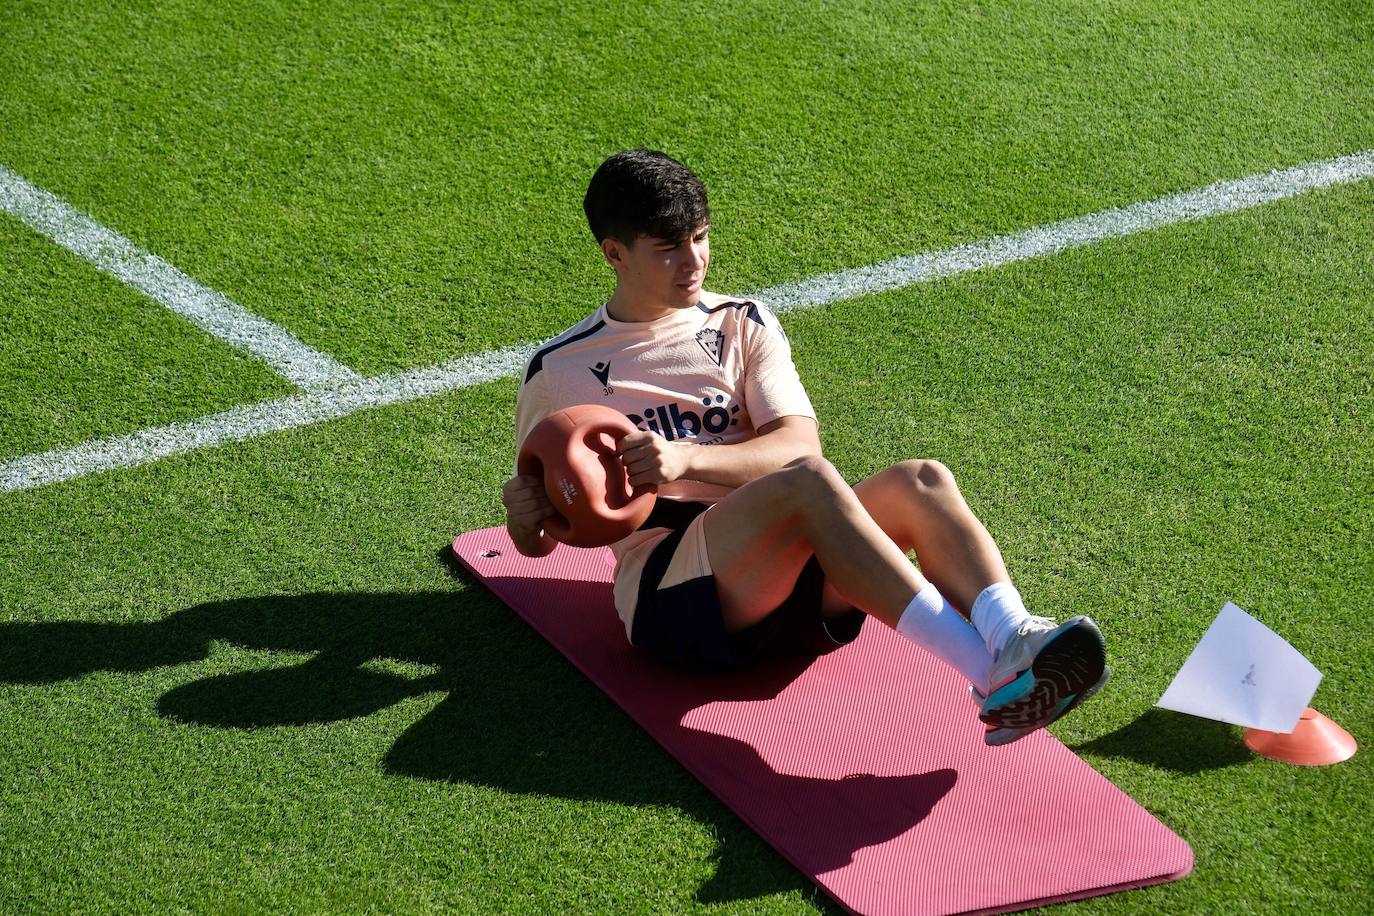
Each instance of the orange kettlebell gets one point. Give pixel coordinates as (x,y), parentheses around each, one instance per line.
(574,451)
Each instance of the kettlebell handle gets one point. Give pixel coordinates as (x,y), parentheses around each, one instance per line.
(589,432)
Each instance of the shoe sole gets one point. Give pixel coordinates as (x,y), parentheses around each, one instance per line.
(1067,665)
(998,737)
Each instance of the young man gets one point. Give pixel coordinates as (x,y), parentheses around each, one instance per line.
(756,545)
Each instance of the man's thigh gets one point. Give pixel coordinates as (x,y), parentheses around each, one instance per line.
(757,548)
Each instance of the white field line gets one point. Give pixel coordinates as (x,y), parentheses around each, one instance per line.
(249,420)
(213,312)
(313,407)
(1212,200)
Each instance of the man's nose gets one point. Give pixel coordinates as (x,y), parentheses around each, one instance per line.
(696,257)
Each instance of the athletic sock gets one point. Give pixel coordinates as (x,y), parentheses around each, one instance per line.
(933,624)
(998,613)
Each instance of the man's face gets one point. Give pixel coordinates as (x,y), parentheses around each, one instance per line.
(663,271)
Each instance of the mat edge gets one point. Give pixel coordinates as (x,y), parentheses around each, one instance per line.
(1166,878)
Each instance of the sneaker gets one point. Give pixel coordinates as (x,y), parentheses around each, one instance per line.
(1041,671)
(996,736)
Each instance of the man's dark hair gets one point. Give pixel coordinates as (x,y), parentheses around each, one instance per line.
(645,192)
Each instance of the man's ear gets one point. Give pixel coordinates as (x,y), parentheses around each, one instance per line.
(613,250)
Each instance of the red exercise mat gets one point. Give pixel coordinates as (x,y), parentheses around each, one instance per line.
(865,769)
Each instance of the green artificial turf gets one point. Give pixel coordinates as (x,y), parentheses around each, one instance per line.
(381,178)
(241,679)
(83,356)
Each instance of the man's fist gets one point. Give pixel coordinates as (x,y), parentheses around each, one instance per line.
(527,505)
(651,459)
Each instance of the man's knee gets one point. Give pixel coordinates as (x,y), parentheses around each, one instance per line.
(809,480)
(802,490)
(927,478)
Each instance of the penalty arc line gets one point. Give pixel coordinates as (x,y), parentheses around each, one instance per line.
(213,312)
(310,407)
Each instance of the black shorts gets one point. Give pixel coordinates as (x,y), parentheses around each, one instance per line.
(683,625)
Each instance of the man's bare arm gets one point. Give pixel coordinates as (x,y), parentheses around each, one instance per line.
(650,458)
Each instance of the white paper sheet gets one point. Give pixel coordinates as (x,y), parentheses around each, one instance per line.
(1244,673)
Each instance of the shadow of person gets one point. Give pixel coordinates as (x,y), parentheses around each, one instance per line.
(515,716)
(1173,741)
(545,737)
(45,653)
(826,820)
(340,632)
(834,818)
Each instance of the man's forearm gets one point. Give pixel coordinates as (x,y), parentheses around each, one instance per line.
(736,465)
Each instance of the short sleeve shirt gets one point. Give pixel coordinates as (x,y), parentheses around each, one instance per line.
(708,375)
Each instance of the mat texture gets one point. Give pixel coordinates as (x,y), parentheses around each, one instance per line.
(866,769)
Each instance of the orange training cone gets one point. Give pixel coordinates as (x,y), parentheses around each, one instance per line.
(1315,741)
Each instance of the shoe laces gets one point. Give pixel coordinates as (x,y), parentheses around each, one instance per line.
(1035,624)
(1014,645)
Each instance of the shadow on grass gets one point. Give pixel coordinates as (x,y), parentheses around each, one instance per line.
(1173,741)
(516,717)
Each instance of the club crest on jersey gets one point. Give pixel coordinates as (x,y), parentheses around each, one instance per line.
(713,342)
(602,371)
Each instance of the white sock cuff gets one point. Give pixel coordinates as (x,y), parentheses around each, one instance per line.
(926,604)
(998,612)
(998,594)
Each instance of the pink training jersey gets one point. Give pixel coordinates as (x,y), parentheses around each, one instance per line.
(709,375)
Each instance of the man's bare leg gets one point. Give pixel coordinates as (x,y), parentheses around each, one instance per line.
(918,505)
(761,536)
